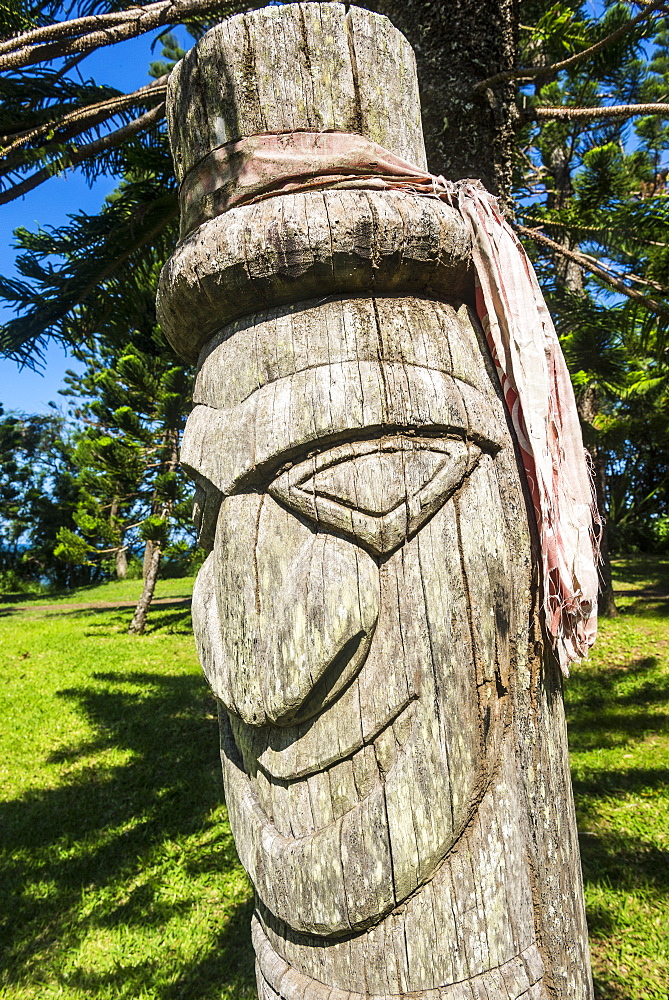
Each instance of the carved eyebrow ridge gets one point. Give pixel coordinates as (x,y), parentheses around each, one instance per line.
(262,475)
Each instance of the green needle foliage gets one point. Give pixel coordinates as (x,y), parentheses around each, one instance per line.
(52,116)
(38,499)
(78,497)
(105,285)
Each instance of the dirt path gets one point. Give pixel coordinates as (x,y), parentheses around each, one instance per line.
(175,602)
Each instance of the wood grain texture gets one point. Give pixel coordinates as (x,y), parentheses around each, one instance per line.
(518,979)
(313,243)
(392,733)
(307,67)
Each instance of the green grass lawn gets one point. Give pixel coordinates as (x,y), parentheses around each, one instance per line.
(112,590)
(119,875)
(618,711)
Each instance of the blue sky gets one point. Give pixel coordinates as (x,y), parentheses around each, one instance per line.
(124,66)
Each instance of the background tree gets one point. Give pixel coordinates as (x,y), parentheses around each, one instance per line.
(560,111)
(38,499)
(78,493)
(588,189)
(133,405)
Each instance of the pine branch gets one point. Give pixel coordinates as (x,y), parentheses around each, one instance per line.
(105,287)
(600,234)
(87,152)
(68,37)
(537,72)
(595,268)
(629,275)
(145,238)
(566,114)
(63,29)
(68,65)
(91,114)
(36,96)
(646,3)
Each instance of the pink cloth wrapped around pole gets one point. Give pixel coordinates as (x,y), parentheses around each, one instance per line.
(511,308)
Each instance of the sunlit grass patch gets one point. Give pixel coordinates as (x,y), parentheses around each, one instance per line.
(618,710)
(119,874)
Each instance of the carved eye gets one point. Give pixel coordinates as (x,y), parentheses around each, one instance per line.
(377,492)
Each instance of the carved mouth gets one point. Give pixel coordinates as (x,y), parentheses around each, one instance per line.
(265,749)
(330,856)
(303,806)
(323,816)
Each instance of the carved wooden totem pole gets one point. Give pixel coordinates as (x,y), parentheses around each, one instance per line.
(392,730)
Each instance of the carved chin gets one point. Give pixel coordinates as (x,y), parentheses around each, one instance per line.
(352,871)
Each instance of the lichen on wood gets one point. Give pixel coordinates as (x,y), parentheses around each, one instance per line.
(392,733)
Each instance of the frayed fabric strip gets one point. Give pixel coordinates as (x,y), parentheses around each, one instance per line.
(511,308)
(539,395)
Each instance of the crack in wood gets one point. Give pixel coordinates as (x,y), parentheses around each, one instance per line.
(392,735)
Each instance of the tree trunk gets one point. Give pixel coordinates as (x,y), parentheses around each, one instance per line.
(153,548)
(392,729)
(607,603)
(121,563)
(147,561)
(138,622)
(459,44)
(120,556)
(588,407)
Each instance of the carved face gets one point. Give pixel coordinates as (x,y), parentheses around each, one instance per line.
(349,615)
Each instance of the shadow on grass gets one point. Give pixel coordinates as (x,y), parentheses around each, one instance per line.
(613,708)
(177,622)
(173,618)
(645,570)
(227,965)
(607,707)
(609,991)
(100,831)
(44,596)
(625,862)
(648,604)
(181,619)
(637,781)
(30,596)
(628,866)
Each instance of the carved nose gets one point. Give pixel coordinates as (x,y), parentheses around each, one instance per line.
(284,615)
(288,610)
(317,627)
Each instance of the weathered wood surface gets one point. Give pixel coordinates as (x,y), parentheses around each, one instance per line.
(310,67)
(310,244)
(392,732)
